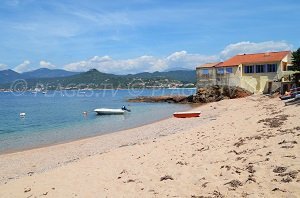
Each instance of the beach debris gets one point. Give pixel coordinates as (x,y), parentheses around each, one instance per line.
(234,183)
(290,156)
(250,169)
(130,180)
(166,177)
(292,174)
(286,142)
(123,145)
(278,189)
(30,173)
(227,167)
(182,163)
(238,153)
(269,153)
(203,149)
(288,146)
(275,122)
(251,179)
(123,171)
(27,190)
(45,193)
(279,169)
(238,158)
(215,194)
(287,179)
(240,142)
(153,191)
(204,185)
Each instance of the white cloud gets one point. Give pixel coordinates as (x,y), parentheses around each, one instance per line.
(140,64)
(247,47)
(45,64)
(3,66)
(190,61)
(23,67)
(181,59)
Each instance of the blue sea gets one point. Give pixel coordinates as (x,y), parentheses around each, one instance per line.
(57,116)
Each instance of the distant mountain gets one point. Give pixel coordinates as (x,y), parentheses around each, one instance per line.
(177,69)
(95,79)
(47,73)
(8,75)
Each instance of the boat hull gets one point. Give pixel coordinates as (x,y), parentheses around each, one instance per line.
(186,114)
(104,111)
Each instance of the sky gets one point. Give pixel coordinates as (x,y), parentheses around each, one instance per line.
(134,36)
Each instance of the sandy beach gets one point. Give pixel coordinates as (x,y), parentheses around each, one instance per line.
(247,147)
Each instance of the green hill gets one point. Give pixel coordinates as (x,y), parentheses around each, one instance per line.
(95,79)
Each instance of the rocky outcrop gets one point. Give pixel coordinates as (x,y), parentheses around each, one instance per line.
(217,93)
(203,95)
(169,99)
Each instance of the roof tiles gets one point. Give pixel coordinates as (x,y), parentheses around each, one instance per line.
(254,58)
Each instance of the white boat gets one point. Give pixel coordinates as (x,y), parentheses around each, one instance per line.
(22,114)
(105,111)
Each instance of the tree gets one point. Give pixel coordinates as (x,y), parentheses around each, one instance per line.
(296,60)
(296,66)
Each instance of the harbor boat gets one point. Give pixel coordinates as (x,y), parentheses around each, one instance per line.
(187,114)
(105,111)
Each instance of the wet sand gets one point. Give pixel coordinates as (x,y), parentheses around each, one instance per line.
(245,147)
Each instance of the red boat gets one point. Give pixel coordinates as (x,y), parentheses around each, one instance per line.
(187,114)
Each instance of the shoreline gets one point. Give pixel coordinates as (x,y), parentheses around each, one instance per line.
(238,147)
(147,88)
(190,107)
(72,154)
(75,140)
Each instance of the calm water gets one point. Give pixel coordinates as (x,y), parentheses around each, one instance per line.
(57,116)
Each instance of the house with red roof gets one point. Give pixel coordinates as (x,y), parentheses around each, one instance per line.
(258,73)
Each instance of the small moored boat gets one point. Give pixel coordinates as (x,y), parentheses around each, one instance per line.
(22,115)
(105,111)
(187,114)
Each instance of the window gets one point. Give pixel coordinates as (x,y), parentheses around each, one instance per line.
(229,70)
(249,69)
(220,71)
(272,67)
(260,68)
(205,72)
